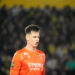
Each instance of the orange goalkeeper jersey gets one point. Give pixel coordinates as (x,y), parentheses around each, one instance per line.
(26,62)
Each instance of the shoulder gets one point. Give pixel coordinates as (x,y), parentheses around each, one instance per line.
(41,52)
(20,51)
(18,54)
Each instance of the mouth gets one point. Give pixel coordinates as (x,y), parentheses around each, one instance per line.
(37,43)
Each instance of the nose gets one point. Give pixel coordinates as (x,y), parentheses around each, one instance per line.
(37,39)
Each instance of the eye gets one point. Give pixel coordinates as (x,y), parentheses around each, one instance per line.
(34,37)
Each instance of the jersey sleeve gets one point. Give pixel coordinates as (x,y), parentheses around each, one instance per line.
(43,71)
(15,64)
(44,66)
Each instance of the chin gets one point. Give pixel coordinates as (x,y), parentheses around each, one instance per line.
(35,46)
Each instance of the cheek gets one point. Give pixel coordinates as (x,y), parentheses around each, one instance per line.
(32,41)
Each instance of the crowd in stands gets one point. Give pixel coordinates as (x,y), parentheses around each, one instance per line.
(57,38)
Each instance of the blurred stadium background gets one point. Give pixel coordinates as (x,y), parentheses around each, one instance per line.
(57,21)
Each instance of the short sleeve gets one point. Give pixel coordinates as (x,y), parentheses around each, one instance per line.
(15,64)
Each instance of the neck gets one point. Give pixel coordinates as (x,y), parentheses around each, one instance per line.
(30,48)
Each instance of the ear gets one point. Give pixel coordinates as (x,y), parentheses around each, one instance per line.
(27,37)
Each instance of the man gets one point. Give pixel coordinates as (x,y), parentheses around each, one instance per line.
(29,60)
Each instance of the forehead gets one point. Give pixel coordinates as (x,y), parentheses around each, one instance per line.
(35,33)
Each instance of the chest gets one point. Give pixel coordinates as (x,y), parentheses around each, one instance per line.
(33,61)
(32,58)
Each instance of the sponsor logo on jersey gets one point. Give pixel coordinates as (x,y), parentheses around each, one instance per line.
(35,66)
